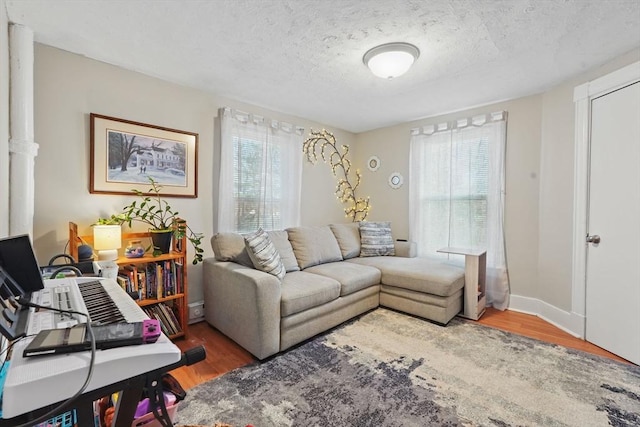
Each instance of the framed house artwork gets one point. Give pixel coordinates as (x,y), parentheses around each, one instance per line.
(125,154)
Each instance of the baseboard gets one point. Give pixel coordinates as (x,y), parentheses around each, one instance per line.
(569,322)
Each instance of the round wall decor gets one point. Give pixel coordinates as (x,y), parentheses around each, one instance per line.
(373,163)
(395,180)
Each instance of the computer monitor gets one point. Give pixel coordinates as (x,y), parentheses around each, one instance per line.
(19,261)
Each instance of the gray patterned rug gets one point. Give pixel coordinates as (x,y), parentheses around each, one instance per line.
(390,369)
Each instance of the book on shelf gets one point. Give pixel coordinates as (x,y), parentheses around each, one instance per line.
(164,314)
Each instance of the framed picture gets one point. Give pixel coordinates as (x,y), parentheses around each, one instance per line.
(124,154)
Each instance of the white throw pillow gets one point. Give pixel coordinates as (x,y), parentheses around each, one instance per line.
(263,253)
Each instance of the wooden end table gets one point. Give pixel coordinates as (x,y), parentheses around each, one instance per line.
(475,273)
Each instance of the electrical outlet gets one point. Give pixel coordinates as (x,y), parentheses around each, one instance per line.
(196,311)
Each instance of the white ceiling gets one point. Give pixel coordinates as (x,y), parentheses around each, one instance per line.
(304,57)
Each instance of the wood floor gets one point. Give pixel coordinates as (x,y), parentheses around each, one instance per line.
(223,355)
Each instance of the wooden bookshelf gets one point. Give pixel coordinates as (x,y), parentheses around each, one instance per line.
(174,264)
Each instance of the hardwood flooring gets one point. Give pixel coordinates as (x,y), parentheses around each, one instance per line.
(224,355)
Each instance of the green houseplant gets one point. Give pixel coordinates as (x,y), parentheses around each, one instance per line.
(156,212)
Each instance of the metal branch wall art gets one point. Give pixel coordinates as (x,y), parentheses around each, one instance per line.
(324,143)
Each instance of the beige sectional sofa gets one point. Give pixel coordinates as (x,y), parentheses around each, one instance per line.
(327,282)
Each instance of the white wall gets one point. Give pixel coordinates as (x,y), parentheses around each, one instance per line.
(68,87)
(4,121)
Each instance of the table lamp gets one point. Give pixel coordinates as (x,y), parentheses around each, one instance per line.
(107,239)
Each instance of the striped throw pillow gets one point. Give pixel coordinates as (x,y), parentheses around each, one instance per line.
(376,239)
(263,253)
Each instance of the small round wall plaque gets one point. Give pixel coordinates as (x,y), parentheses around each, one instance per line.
(374,163)
(395,180)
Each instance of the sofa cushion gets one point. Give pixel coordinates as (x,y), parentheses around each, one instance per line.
(302,291)
(352,277)
(314,245)
(422,274)
(230,247)
(348,237)
(280,240)
(263,253)
(376,239)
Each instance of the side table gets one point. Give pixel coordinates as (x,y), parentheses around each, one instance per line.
(475,272)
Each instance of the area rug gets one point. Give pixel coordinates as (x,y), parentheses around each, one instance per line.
(390,369)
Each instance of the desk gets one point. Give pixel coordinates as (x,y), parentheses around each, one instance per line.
(34,385)
(130,391)
(475,272)
(33,393)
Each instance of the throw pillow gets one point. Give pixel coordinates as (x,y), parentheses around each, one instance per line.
(376,239)
(263,253)
(314,245)
(230,247)
(280,240)
(348,237)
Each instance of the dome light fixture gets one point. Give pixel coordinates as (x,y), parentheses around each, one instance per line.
(391,60)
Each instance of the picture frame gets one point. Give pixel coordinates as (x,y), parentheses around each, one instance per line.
(124,154)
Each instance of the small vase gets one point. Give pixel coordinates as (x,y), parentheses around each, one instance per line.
(134,249)
(161,240)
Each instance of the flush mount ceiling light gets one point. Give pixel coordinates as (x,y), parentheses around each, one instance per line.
(391,59)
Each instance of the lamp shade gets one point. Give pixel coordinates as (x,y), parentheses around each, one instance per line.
(391,60)
(107,239)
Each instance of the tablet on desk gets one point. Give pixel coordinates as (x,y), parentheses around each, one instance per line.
(70,340)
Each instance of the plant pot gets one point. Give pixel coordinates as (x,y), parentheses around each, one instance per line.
(161,240)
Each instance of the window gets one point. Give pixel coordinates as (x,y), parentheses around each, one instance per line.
(453,200)
(456,193)
(260,173)
(257,184)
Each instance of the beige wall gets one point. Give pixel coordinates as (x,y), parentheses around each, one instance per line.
(539,216)
(391,145)
(556,187)
(68,87)
(539,201)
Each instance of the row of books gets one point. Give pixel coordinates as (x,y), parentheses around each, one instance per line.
(152,280)
(166,316)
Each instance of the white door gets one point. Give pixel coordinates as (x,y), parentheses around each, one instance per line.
(613,264)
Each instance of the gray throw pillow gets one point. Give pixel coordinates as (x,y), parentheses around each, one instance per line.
(376,239)
(314,245)
(263,253)
(280,240)
(348,237)
(230,247)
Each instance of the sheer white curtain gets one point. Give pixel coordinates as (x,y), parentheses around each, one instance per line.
(457,188)
(260,173)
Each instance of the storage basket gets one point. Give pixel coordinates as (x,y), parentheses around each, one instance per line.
(68,419)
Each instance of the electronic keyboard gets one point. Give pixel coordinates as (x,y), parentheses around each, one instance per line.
(36,382)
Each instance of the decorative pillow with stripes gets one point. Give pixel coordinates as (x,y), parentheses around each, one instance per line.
(263,253)
(376,239)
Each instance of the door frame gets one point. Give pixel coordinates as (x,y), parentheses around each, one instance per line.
(582,97)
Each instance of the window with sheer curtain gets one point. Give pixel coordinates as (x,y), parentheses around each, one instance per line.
(457,193)
(260,173)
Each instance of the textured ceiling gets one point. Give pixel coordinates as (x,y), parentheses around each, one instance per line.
(304,57)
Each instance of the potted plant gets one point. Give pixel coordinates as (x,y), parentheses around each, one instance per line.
(156,212)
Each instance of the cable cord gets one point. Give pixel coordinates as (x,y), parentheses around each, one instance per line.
(56,411)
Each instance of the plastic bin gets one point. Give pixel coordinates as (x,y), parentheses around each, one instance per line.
(149,420)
